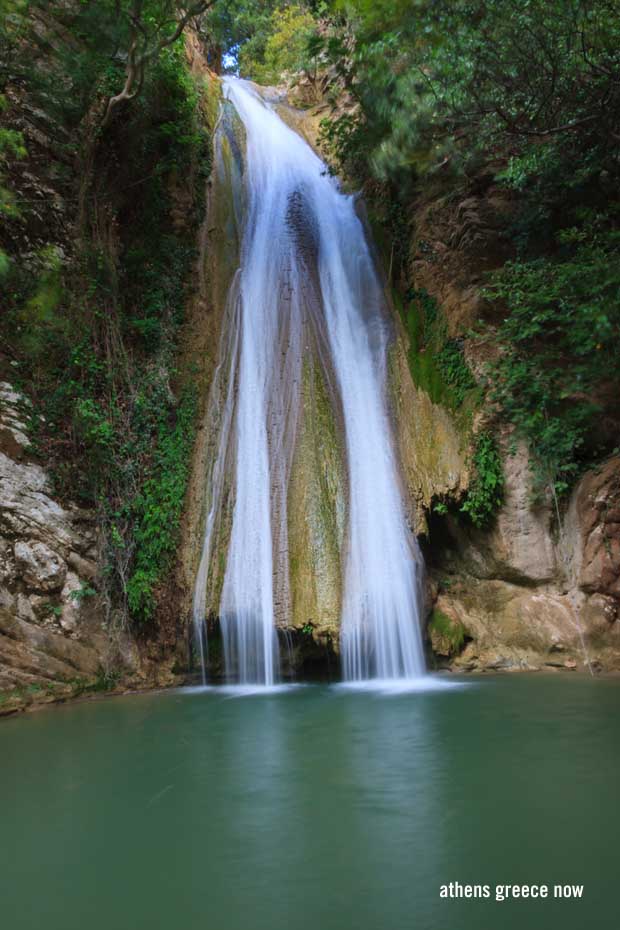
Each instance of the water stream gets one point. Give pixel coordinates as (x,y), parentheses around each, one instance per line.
(305,267)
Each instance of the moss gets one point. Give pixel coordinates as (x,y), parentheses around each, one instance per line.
(447,635)
(436,361)
(211,99)
(316,509)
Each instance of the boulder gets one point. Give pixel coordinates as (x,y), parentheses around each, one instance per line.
(85,568)
(39,567)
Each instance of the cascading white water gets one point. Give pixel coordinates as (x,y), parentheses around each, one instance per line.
(298,223)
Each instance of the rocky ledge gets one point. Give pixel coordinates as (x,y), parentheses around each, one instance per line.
(527,595)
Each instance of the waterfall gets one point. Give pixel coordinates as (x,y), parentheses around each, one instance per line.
(304,263)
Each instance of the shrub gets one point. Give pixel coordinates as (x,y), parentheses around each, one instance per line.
(485,493)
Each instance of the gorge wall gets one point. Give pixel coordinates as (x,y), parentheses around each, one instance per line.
(99,367)
(538,588)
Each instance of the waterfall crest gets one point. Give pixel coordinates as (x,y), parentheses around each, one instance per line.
(305,267)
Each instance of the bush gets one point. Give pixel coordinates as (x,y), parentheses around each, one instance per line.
(157,509)
(559,346)
(282,50)
(486,488)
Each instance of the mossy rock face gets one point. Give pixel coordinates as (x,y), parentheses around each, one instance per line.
(226,217)
(317,485)
(316,511)
(447,635)
(432,446)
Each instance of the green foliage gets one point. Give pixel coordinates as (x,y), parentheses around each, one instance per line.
(84,591)
(53,610)
(158,507)
(486,489)
(282,49)
(11,147)
(96,334)
(239,22)
(436,360)
(446,88)
(560,346)
(83,52)
(105,681)
(427,73)
(262,39)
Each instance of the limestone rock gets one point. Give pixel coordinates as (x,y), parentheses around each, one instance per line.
(597,505)
(7,599)
(53,644)
(521,538)
(70,616)
(24,608)
(29,648)
(512,627)
(85,568)
(531,601)
(429,445)
(600,615)
(39,566)
(27,510)
(14,440)
(518,547)
(7,563)
(316,513)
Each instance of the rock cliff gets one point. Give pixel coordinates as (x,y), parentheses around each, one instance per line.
(55,639)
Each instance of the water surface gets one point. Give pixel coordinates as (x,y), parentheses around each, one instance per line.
(315,808)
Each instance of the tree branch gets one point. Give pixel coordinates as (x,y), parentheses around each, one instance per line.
(141,51)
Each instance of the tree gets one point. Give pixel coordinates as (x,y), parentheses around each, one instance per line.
(152,27)
(281,46)
(429,72)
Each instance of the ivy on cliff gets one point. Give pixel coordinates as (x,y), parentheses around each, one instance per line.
(486,488)
(94,334)
(457,96)
(559,344)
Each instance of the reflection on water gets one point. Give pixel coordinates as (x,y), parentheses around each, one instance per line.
(312,808)
(402,685)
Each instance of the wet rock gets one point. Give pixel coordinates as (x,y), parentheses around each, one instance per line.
(513,626)
(316,501)
(431,448)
